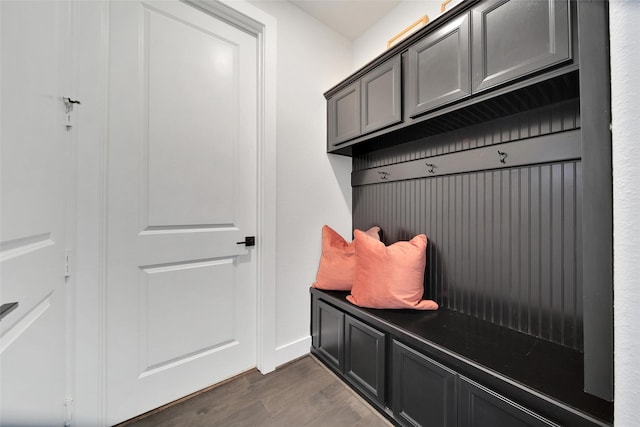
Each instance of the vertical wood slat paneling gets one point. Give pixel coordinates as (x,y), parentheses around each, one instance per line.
(504,245)
(560,117)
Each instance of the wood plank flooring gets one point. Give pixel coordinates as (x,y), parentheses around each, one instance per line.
(302,393)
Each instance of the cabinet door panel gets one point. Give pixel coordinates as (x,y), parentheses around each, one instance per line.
(330,334)
(423,390)
(482,407)
(344,115)
(365,357)
(518,37)
(381,96)
(438,69)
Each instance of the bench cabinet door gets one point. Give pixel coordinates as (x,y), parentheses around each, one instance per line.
(424,391)
(364,363)
(480,407)
(513,38)
(328,334)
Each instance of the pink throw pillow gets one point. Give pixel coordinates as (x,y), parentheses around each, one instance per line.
(390,276)
(338,261)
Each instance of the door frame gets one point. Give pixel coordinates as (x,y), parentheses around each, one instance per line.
(91,80)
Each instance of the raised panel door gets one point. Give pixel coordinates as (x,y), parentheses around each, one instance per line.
(381,96)
(424,391)
(181,294)
(518,37)
(330,335)
(481,407)
(438,68)
(36,179)
(344,115)
(365,358)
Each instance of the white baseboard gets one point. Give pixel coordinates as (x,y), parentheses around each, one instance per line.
(292,351)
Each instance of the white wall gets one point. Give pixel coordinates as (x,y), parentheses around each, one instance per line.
(313,188)
(625,90)
(374,42)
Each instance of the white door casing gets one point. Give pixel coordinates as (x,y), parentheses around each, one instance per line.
(35,179)
(181,192)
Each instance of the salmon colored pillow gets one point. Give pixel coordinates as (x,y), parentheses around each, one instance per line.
(390,276)
(338,260)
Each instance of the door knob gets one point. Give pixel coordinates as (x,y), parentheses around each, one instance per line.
(248,241)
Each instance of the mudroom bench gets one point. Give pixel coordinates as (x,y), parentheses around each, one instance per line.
(444,368)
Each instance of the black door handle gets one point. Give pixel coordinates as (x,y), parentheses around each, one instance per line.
(248,241)
(7,308)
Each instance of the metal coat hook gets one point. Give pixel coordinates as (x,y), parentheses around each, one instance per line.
(503,156)
(68,107)
(431,167)
(68,104)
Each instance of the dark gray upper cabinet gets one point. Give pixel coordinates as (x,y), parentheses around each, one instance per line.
(438,68)
(370,103)
(518,37)
(381,96)
(474,54)
(344,115)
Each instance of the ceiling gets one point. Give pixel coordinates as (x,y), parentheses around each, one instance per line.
(351,18)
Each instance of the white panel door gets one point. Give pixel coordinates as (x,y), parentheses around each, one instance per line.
(181,291)
(35,170)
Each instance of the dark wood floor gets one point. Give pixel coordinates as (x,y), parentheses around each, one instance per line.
(302,393)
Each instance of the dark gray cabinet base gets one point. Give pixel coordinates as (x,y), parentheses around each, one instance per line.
(424,391)
(365,357)
(481,407)
(447,369)
(329,339)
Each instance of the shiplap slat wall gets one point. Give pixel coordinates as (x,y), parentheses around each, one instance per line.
(504,244)
(542,121)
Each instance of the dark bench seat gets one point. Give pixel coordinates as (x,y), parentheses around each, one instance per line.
(529,370)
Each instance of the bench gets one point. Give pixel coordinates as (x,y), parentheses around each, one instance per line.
(447,368)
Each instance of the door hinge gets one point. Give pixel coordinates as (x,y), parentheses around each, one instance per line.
(67,264)
(68,411)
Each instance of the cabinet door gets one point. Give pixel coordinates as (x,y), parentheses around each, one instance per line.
(330,338)
(381,96)
(482,407)
(344,115)
(423,391)
(438,68)
(518,37)
(365,358)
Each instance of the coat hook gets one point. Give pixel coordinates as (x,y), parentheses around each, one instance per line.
(503,156)
(431,167)
(68,110)
(68,104)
